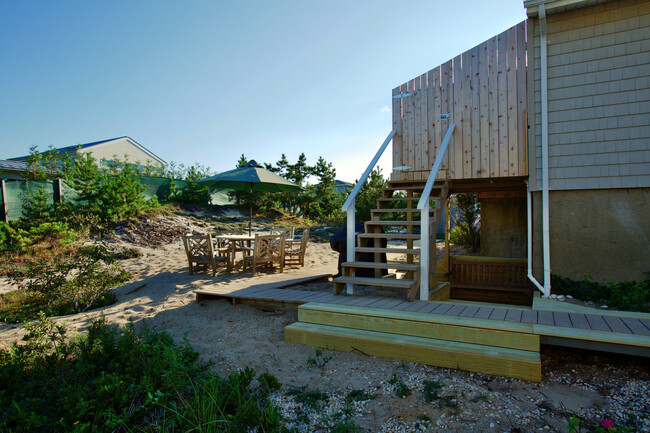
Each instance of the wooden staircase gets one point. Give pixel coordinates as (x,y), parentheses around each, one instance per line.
(486,346)
(406,275)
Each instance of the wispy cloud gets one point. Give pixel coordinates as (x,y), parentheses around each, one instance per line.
(386,109)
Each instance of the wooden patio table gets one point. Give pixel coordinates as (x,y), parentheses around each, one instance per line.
(244,242)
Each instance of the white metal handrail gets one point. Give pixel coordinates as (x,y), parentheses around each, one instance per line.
(349,205)
(423,207)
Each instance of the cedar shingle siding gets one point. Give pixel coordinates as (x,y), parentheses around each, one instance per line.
(598,97)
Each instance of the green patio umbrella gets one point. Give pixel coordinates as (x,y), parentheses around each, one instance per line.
(252,178)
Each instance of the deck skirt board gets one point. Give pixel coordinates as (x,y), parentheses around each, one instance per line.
(471,357)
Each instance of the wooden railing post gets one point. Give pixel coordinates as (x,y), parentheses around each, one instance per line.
(423,207)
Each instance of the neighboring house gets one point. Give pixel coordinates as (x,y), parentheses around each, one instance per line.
(342,187)
(12,169)
(596,94)
(108,149)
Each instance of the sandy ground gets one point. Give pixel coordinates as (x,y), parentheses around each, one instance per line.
(591,384)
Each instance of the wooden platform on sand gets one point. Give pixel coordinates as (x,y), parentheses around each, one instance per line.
(481,337)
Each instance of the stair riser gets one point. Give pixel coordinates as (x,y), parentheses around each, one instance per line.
(430,354)
(438,331)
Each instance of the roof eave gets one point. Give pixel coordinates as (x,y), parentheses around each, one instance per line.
(551,6)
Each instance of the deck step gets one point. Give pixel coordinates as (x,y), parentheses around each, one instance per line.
(393,223)
(388,236)
(387,250)
(412,210)
(520,364)
(512,335)
(377,282)
(374,265)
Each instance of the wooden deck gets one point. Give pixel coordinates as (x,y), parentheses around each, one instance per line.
(488,338)
(623,329)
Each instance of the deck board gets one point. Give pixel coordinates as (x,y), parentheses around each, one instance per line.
(598,328)
(529,316)
(456,310)
(498,313)
(616,325)
(514,315)
(562,319)
(483,312)
(578,320)
(597,323)
(635,326)
(470,311)
(545,318)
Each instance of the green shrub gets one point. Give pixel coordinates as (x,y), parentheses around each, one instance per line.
(114,379)
(625,296)
(18,236)
(71,284)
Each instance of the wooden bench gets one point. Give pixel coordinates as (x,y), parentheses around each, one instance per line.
(490,279)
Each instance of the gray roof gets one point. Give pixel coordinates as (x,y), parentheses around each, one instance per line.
(12,165)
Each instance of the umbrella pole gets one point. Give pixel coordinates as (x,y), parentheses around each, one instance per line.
(250,219)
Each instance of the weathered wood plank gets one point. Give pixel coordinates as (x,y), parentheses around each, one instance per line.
(446,107)
(456,144)
(397,138)
(483,313)
(513,145)
(443,308)
(455,310)
(466,124)
(484,120)
(470,311)
(498,314)
(493,106)
(545,318)
(562,319)
(636,326)
(579,321)
(502,92)
(521,100)
(424,127)
(593,335)
(616,325)
(597,322)
(475,108)
(513,315)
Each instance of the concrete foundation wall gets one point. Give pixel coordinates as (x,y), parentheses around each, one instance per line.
(503,227)
(605,233)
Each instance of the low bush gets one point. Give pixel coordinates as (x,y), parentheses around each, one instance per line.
(625,296)
(64,285)
(116,379)
(19,236)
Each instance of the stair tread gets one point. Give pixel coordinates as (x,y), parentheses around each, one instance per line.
(382,282)
(407,340)
(399,266)
(388,236)
(394,223)
(399,210)
(388,250)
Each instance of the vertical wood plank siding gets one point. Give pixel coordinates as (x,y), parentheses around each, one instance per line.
(484,93)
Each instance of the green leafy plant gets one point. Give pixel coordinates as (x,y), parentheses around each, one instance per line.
(401,389)
(359,395)
(318,360)
(623,295)
(467,229)
(75,283)
(312,399)
(432,390)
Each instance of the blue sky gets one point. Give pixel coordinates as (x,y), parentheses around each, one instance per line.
(205,81)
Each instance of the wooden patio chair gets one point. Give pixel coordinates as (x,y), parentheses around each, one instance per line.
(267,249)
(288,231)
(294,253)
(201,252)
